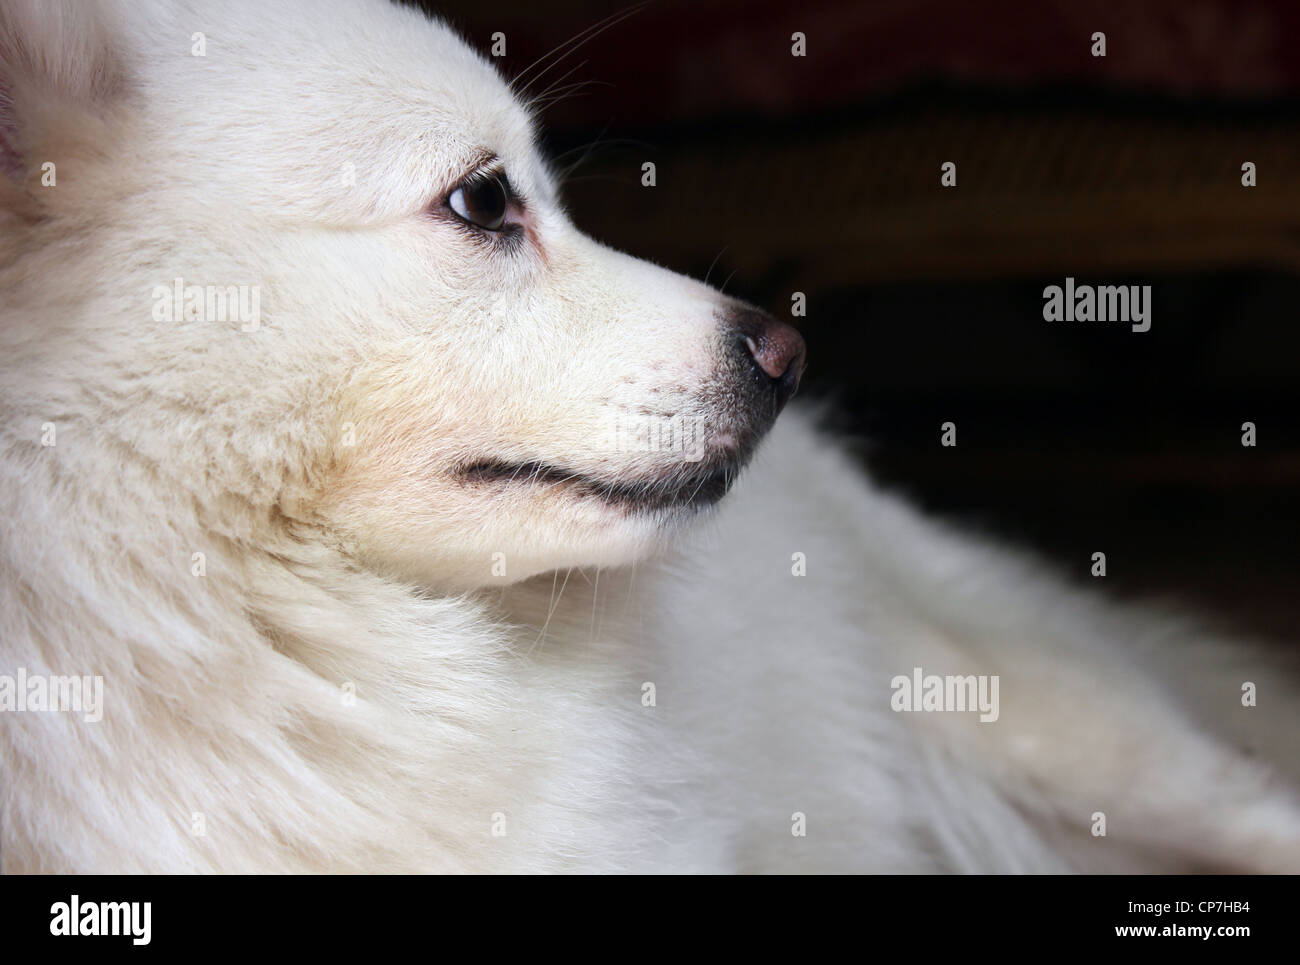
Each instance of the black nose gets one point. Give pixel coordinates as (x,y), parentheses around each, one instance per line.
(774,351)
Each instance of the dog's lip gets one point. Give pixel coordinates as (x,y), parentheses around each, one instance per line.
(703,487)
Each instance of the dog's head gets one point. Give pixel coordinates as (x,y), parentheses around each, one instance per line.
(320,239)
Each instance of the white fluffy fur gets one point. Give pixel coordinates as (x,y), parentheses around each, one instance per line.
(369,567)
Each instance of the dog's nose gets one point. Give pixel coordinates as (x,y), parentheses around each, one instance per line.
(774,350)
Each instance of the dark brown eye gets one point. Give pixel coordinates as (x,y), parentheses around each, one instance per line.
(482,201)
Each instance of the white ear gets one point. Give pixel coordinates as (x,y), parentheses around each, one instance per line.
(59,78)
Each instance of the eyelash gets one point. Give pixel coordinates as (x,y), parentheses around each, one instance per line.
(509,238)
(483,174)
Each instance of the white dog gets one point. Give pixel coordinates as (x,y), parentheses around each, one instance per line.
(387,509)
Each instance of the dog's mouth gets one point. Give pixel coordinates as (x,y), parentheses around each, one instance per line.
(703,486)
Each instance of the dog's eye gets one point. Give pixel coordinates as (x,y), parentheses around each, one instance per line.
(482,201)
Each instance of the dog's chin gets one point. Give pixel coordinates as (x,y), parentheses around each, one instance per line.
(686,488)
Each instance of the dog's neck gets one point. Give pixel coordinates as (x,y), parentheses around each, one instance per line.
(319,708)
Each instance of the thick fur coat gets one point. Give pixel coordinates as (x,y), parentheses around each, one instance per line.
(332,639)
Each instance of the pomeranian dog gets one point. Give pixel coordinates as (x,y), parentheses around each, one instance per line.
(360,514)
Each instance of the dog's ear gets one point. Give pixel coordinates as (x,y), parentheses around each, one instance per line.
(61,82)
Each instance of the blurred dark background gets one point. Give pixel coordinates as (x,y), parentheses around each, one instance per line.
(821,173)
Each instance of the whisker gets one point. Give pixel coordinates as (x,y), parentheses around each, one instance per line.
(567,173)
(557,55)
(559,80)
(714,262)
(540,107)
(554,89)
(555,603)
(590,144)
